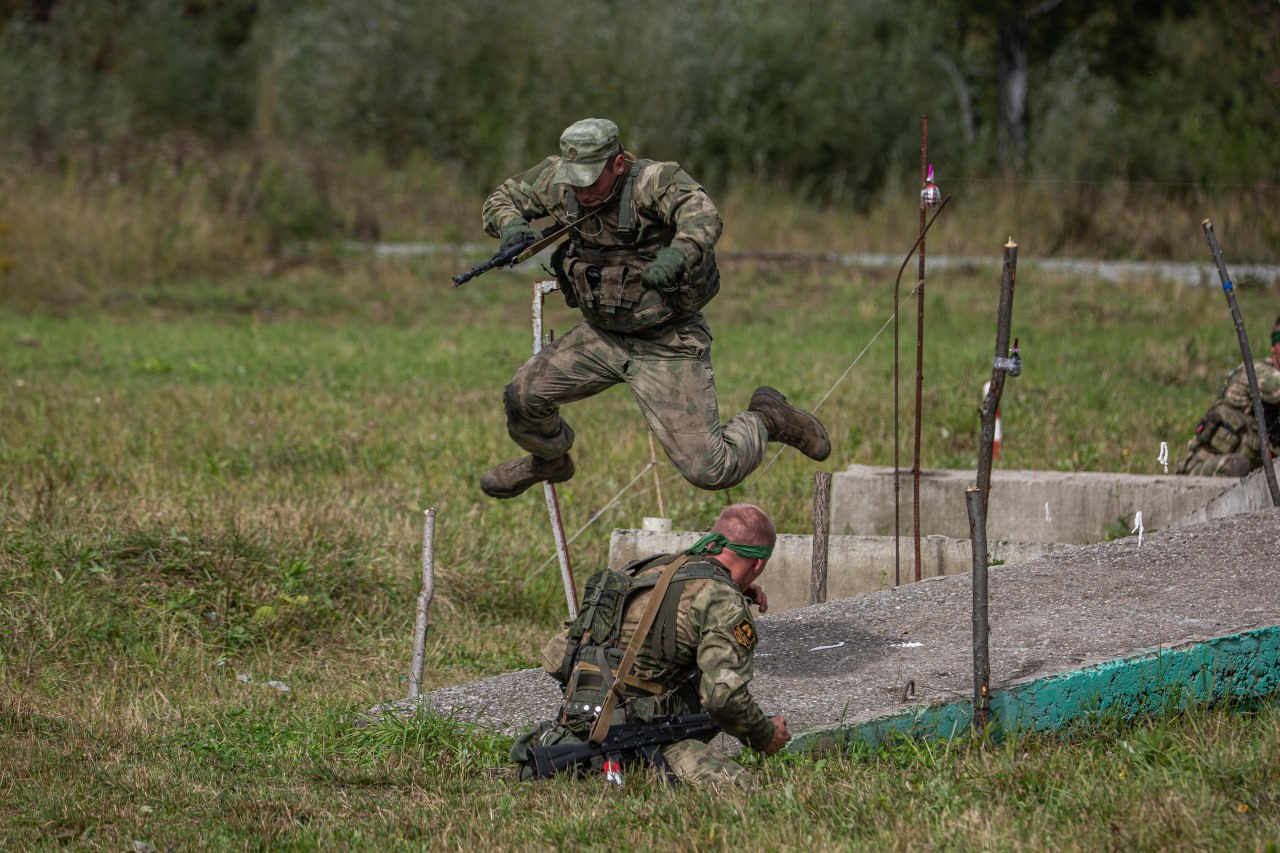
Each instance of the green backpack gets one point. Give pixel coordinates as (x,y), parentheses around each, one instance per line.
(592,653)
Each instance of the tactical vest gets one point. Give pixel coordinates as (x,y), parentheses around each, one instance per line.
(593,651)
(604,282)
(1226,429)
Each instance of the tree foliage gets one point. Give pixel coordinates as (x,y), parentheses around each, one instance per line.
(823,95)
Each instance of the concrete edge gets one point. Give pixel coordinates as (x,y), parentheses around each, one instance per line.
(1240,666)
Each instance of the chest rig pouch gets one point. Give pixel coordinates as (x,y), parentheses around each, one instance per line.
(603,281)
(593,652)
(1225,429)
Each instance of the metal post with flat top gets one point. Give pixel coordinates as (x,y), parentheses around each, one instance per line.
(540,291)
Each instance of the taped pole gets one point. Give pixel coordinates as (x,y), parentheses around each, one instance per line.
(821,529)
(981,627)
(540,290)
(1259,415)
(424,602)
(1005,363)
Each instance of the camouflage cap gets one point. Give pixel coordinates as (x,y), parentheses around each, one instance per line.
(585,146)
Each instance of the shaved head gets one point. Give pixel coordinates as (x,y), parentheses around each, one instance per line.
(746,524)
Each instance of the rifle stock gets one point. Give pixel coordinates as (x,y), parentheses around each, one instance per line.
(624,737)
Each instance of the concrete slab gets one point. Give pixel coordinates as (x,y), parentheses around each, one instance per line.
(1025,506)
(850,660)
(1247,495)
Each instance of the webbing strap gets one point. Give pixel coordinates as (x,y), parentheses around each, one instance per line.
(626,216)
(600,727)
(663,645)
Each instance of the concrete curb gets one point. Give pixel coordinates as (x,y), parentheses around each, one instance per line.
(1235,666)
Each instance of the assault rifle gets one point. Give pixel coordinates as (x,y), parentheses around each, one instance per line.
(521,252)
(622,738)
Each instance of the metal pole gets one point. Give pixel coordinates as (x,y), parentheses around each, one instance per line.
(424,602)
(657,481)
(915,463)
(1228,288)
(1001,366)
(981,628)
(821,529)
(897,480)
(540,290)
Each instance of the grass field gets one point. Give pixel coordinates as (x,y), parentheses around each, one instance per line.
(209,484)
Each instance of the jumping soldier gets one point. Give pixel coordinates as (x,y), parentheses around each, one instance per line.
(1226,443)
(694,655)
(640,270)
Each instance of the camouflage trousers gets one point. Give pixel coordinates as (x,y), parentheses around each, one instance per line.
(670,375)
(690,761)
(1202,461)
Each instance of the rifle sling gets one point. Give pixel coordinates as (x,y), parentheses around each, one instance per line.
(600,727)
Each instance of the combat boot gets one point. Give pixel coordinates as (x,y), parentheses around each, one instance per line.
(789,425)
(514,476)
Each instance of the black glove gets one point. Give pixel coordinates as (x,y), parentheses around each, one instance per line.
(516,232)
(663,272)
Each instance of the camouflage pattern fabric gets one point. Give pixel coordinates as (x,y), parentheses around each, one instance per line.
(670,375)
(668,208)
(671,208)
(1227,443)
(715,642)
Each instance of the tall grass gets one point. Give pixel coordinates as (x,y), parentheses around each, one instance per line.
(117,225)
(214,461)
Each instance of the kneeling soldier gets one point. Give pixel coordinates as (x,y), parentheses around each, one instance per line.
(668,635)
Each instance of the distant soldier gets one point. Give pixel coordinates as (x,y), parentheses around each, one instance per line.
(696,657)
(1226,443)
(640,269)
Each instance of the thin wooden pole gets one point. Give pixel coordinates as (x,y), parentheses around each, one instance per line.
(1250,372)
(821,531)
(981,627)
(657,481)
(1003,365)
(424,602)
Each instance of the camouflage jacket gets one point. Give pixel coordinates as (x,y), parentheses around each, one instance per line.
(1234,410)
(667,208)
(715,639)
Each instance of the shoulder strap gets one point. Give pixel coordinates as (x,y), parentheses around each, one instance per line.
(600,727)
(626,216)
(662,645)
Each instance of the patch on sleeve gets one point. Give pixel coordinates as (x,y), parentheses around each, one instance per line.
(745,633)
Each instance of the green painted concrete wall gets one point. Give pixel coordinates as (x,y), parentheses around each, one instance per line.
(1238,666)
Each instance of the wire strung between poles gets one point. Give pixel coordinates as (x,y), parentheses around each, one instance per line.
(616,499)
(897,281)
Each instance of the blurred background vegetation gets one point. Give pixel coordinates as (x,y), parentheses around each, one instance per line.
(822,94)
(149,139)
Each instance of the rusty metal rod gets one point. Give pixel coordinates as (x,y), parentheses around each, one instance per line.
(1230,291)
(915,459)
(897,488)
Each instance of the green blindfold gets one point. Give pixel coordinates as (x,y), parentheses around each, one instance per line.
(1275,337)
(714,543)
